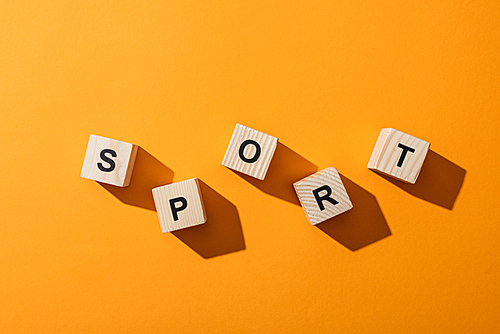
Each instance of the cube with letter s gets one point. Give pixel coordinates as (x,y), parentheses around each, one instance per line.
(109,161)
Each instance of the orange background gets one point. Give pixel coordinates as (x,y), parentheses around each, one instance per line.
(175,77)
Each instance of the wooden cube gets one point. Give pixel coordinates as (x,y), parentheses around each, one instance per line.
(179,205)
(109,161)
(322,195)
(250,152)
(398,155)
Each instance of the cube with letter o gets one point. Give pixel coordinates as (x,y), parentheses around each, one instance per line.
(250,152)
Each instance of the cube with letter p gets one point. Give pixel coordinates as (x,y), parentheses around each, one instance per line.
(109,161)
(250,152)
(322,195)
(179,205)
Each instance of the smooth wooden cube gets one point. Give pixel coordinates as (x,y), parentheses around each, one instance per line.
(109,161)
(179,205)
(398,155)
(250,152)
(322,195)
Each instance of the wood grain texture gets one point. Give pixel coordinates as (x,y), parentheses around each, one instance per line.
(386,155)
(124,161)
(256,169)
(194,214)
(305,187)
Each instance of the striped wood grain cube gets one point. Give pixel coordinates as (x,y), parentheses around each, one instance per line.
(179,205)
(109,161)
(250,152)
(398,155)
(322,195)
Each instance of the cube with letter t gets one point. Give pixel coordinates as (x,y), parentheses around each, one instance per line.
(250,152)
(322,195)
(398,155)
(179,205)
(109,161)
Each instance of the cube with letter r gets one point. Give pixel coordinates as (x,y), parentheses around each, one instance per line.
(322,195)
(109,161)
(179,205)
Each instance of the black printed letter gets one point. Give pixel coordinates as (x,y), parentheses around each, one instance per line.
(406,149)
(326,197)
(175,209)
(257,151)
(110,161)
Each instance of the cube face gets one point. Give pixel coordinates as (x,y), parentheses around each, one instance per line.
(179,205)
(322,195)
(250,152)
(398,155)
(109,161)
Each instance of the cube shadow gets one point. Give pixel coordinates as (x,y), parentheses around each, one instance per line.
(221,234)
(361,226)
(148,173)
(439,181)
(286,168)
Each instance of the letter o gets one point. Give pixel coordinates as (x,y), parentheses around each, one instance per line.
(255,157)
